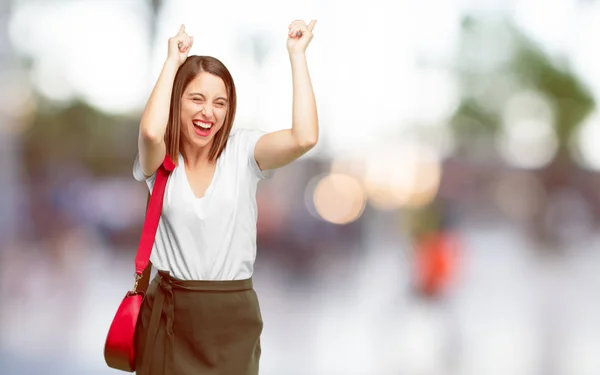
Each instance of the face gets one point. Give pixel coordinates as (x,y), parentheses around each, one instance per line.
(204,105)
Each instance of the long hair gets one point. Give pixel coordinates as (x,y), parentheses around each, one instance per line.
(193,66)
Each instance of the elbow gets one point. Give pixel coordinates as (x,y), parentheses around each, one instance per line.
(306,143)
(151,136)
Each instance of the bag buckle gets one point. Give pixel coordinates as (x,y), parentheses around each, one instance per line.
(135,284)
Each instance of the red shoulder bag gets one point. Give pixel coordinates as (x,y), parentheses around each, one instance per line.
(119,349)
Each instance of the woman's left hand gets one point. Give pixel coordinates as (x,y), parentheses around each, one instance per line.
(299,36)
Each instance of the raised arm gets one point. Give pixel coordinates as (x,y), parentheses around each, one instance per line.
(151,140)
(277,149)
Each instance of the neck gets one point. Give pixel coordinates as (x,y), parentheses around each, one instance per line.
(196,156)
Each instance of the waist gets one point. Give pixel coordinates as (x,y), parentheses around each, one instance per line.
(185,264)
(204,285)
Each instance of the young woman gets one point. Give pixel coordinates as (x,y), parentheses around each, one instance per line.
(200,314)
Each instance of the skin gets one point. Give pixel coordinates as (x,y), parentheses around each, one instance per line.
(277,149)
(205,99)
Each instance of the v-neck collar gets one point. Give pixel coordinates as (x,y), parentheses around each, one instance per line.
(209,188)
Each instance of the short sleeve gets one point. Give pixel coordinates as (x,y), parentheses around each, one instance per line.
(247,142)
(138,174)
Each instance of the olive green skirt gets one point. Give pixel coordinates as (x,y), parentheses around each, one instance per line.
(198,327)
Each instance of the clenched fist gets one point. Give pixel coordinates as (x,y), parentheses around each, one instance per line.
(179,46)
(299,35)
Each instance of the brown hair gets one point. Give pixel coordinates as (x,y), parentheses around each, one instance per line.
(193,66)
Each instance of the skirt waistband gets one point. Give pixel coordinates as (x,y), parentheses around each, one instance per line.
(205,285)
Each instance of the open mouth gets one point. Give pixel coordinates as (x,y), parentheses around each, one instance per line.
(202,128)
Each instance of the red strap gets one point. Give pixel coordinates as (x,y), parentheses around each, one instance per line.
(153,215)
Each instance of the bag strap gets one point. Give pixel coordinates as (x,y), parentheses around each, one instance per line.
(153,211)
(144,281)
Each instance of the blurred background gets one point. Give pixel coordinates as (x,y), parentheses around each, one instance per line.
(447,222)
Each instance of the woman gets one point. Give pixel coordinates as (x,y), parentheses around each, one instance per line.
(201,314)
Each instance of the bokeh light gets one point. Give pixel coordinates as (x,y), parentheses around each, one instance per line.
(407,175)
(527,139)
(339,199)
(584,143)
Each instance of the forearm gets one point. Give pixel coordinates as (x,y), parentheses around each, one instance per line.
(305,122)
(156,114)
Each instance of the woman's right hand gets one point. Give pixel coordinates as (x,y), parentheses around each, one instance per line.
(179,46)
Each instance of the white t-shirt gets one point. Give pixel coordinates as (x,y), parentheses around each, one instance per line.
(213,237)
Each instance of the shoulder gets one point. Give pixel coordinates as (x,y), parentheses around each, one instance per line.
(244,140)
(244,134)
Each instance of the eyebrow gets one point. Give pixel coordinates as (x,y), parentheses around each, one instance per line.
(200,94)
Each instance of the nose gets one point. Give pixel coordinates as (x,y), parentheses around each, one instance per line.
(207,110)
